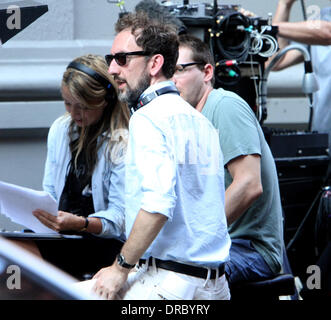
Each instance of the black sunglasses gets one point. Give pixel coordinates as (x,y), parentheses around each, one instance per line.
(120,57)
(181,67)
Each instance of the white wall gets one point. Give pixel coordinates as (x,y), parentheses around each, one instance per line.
(32,64)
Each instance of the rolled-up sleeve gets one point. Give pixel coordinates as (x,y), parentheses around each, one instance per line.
(113,215)
(154,162)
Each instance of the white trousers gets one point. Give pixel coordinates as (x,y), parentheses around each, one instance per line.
(152,283)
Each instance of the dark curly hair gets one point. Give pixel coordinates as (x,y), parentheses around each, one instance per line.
(154,36)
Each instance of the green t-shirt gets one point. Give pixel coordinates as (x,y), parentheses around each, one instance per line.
(241,134)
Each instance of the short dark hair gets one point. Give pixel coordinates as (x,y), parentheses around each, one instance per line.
(153,36)
(200,50)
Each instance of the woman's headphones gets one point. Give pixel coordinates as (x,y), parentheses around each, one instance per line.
(111,93)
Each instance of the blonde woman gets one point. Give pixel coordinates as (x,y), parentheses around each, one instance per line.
(84,169)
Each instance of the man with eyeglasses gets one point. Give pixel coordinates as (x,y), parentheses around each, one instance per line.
(253,207)
(175,221)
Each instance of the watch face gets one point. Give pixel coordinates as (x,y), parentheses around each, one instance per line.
(121,261)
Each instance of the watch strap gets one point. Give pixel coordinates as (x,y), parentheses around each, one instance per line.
(122,262)
(85,226)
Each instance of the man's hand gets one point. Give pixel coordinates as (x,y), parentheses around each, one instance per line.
(64,221)
(145,229)
(247,13)
(110,280)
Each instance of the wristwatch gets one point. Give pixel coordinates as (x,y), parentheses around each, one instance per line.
(85,226)
(122,262)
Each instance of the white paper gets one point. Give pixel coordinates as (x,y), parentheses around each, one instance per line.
(85,286)
(17,203)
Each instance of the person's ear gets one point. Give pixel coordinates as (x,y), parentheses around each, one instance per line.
(156,63)
(209,72)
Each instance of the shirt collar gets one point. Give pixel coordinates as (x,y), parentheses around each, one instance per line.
(157,86)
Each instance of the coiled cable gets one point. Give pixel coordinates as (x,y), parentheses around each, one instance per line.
(262,44)
(232,37)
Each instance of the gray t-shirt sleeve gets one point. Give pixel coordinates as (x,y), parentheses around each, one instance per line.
(236,125)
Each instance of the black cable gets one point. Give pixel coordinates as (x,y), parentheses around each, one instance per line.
(325,187)
(311,113)
(228,75)
(322,224)
(228,42)
(215,8)
(304,12)
(303,222)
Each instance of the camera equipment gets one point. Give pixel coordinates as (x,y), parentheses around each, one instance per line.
(240,45)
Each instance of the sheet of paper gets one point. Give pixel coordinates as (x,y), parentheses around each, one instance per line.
(86,286)
(17,203)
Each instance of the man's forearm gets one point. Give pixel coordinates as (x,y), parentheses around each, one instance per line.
(237,201)
(311,32)
(246,185)
(145,229)
(283,11)
(316,32)
(240,195)
(282,14)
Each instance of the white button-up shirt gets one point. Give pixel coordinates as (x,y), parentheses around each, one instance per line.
(174,167)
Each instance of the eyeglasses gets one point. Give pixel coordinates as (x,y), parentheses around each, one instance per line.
(120,57)
(181,67)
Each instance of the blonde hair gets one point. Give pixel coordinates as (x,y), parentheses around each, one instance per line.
(92,94)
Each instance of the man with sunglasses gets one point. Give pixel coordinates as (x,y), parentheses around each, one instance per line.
(175,221)
(253,207)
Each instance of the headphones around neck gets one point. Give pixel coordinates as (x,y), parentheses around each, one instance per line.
(111,94)
(147,98)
